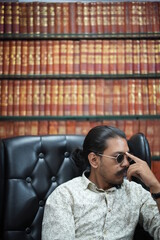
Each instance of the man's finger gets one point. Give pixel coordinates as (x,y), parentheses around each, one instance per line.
(136,159)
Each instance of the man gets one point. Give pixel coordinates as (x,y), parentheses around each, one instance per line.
(103,204)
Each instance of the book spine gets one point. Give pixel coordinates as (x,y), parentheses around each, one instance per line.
(60,97)
(18,59)
(54,97)
(43,57)
(43,128)
(76,57)
(106,17)
(63,56)
(92,97)
(80,20)
(86,97)
(113,57)
(1,57)
(23,98)
(8,17)
(121,57)
(128,57)
(37,47)
(98,56)
(72,17)
(48,97)
(114,18)
(152,96)
(157,54)
(70,127)
(65,18)
(155,16)
(136,56)
(43,18)
(36,98)
(134,18)
(127,14)
(56,57)
(4,97)
(86,17)
(100,18)
(15,18)
(2,18)
(157,83)
(6,57)
(93,17)
(34,128)
(124,98)
(74,101)
(12,57)
(105,56)
(53,127)
(79,97)
(51,18)
(91,57)
(31,54)
(151,56)
(83,56)
(42,91)
(138,97)
(24,60)
(108,97)
(100,96)
(49,57)
(36,17)
(58,17)
(69,61)
(16,96)
(30,18)
(121,18)
(144,93)
(116,97)
(29,97)
(143,57)
(23,17)
(131,96)
(67,97)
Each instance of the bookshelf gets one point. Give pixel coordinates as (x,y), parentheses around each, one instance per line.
(65,67)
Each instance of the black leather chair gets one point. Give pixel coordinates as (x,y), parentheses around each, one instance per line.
(31,167)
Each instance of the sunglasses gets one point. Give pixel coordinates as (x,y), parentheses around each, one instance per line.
(119,158)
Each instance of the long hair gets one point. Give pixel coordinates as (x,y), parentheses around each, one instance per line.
(95,141)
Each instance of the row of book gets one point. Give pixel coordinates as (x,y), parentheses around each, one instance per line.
(78,97)
(79,17)
(79,57)
(150,128)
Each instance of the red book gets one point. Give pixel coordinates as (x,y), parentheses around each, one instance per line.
(43,57)
(56,57)
(155,16)
(36,97)
(65,18)
(15,18)
(58,17)
(24,60)
(62,127)
(150,133)
(138,97)
(149,17)
(6,57)
(9,128)
(70,127)
(128,17)
(131,94)
(121,57)
(48,97)
(106,17)
(7,17)
(69,63)
(128,128)
(121,17)
(31,59)
(99,17)
(144,93)
(79,97)
(36,17)
(157,83)
(80,20)
(21,128)
(90,57)
(135,17)
(49,57)
(4,97)
(53,127)
(37,57)
(43,128)
(157,53)
(86,97)
(74,99)
(18,60)
(93,18)
(30,18)
(83,56)
(156,139)
(98,56)
(128,56)
(42,91)
(116,97)
(113,57)
(108,97)
(76,57)
(124,97)
(60,97)
(86,17)
(29,97)
(54,97)
(143,127)
(23,17)
(142,17)
(100,92)
(1,57)
(151,56)
(3,129)
(10,98)
(51,18)
(143,57)
(67,97)
(34,128)
(1,17)
(43,18)
(152,96)
(136,56)
(135,126)
(12,64)
(92,97)
(114,18)
(63,56)
(72,17)
(16,102)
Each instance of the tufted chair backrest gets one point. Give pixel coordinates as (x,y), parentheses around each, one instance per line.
(31,167)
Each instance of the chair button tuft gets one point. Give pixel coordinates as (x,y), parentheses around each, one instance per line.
(41,155)
(66,154)
(28,230)
(41,203)
(28,180)
(53,178)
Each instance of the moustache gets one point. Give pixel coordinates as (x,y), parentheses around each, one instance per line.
(121,172)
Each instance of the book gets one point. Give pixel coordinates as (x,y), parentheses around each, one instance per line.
(42,96)
(86,103)
(83,56)
(105,57)
(116,97)
(86,18)
(136,56)
(131,96)
(80,20)
(90,57)
(23,97)
(36,97)
(29,97)
(63,56)
(80,97)
(144,93)
(60,110)
(43,57)
(113,57)
(143,57)
(128,16)
(48,97)
(93,17)
(73,17)
(16,96)
(43,127)
(138,97)
(31,58)
(99,17)
(34,128)
(106,17)
(74,100)
(157,83)
(6,57)
(142,17)
(92,97)
(67,97)
(51,18)
(98,56)
(1,57)
(8,17)
(30,18)
(56,57)
(124,97)
(1,17)
(152,96)
(58,17)
(24,59)
(54,97)
(43,18)
(135,17)
(18,57)
(128,57)
(23,17)
(108,97)
(15,18)
(37,57)
(12,57)
(52,127)
(4,97)
(49,69)
(157,53)
(121,17)
(100,98)
(36,17)
(121,57)
(62,127)
(114,18)
(69,56)
(151,56)
(70,127)
(65,17)
(76,57)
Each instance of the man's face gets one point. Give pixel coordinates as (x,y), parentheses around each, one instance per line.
(108,171)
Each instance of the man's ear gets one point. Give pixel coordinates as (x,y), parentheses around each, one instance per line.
(93,159)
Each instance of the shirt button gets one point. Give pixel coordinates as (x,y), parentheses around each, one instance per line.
(109,210)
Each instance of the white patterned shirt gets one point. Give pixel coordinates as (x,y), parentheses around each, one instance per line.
(78,210)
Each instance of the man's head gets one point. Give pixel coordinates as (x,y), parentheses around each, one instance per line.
(101,147)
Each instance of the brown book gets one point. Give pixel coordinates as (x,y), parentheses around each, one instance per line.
(3,129)
(152,96)
(155,16)
(67,97)
(6,57)
(12,63)
(157,83)
(128,57)
(72,17)
(43,128)
(36,17)
(135,17)
(54,97)
(116,97)
(70,127)
(100,97)
(34,128)
(80,20)
(83,56)
(37,57)
(18,59)
(74,93)
(144,93)
(49,57)
(143,57)
(28,127)
(128,17)
(31,58)
(48,97)
(157,53)
(42,91)
(113,57)
(136,56)
(51,18)
(138,97)
(108,97)
(63,56)
(1,17)
(79,97)
(114,18)
(92,97)
(53,127)
(43,57)
(131,96)
(7,17)
(143,127)
(93,18)
(36,97)
(121,57)
(78,130)
(23,17)
(58,17)
(65,18)
(156,139)
(1,57)
(86,17)
(142,17)
(43,18)
(100,18)
(4,97)
(76,57)
(16,96)
(150,133)
(24,60)
(69,55)
(121,17)
(128,128)
(60,109)
(124,97)
(105,56)
(151,56)
(149,17)
(56,57)
(9,129)
(15,18)
(86,97)
(135,126)
(98,56)
(62,127)
(10,98)
(21,128)
(90,57)
(30,18)
(29,97)
(106,17)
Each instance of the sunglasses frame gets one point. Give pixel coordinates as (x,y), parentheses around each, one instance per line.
(116,158)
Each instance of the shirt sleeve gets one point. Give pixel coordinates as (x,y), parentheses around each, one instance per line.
(58,219)
(149,215)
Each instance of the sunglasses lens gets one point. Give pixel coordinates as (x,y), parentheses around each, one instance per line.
(120,158)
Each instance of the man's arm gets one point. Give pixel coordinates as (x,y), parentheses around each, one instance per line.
(141,170)
(58,220)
